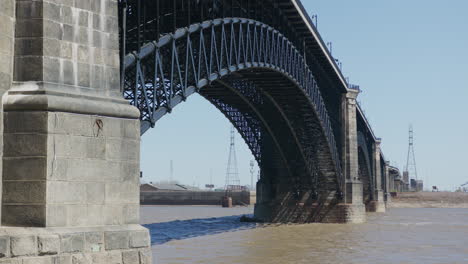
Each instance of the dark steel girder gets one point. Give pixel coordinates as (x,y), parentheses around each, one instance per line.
(165,72)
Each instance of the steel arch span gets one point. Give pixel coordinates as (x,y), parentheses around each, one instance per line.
(264,65)
(231,62)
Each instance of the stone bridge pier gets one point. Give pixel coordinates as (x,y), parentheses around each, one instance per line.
(70,163)
(378,203)
(353,190)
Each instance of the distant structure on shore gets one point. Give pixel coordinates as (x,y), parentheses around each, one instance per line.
(410,175)
(232,174)
(180,194)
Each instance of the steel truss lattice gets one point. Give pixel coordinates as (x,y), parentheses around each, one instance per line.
(165,72)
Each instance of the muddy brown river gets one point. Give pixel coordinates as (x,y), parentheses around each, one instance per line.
(208,234)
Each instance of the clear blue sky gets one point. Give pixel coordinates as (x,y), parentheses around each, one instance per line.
(410,59)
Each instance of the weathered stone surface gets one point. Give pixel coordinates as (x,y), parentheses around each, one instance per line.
(49,244)
(115,257)
(66,259)
(100,258)
(11,261)
(60,151)
(146,256)
(24,192)
(23,246)
(81,259)
(4,246)
(94,241)
(23,215)
(38,260)
(71,243)
(130,257)
(116,240)
(139,239)
(27,168)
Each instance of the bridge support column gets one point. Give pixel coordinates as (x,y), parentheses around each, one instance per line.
(353,190)
(70,177)
(390,183)
(378,204)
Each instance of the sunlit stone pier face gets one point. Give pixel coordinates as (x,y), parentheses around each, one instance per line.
(71,143)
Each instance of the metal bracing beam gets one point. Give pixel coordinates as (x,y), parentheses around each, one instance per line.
(165,72)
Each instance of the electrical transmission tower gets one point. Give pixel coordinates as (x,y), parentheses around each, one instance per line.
(252,170)
(232,174)
(171,172)
(411,160)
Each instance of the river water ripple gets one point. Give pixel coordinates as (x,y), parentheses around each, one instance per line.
(187,234)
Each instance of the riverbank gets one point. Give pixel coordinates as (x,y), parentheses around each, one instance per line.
(430,200)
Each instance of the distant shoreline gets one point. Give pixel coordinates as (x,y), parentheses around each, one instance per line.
(430,200)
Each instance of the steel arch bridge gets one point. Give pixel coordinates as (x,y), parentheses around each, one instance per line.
(254,62)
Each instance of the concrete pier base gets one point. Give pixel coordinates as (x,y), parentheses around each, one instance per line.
(70,161)
(97,245)
(376,207)
(329,212)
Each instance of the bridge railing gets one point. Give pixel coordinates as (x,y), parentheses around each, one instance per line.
(164,72)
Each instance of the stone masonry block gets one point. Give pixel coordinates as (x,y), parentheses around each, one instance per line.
(83,74)
(15,145)
(6,44)
(123,149)
(51,68)
(78,216)
(66,192)
(146,256)
(52,29)
(95,214)
(95,148)
(8,8)
(72,243)
(11,261)
(23,246)
(56,215)
(4,246)
(66,14)
(71,124)
(52,48)
(25,122)
(24,192)
(130,172)
(139,239)
(26,28)
(29,9)
(5,81)
(112,214)
(24,168)
(38,260)
(23,215)
(49,244)
(116,240)
(94,241)
(100,258)
(115,257)
(95,193)
(111,7)
(5,66)
(122,192)
(66,259)
(6,25)
(131,213)
(130,257)
(81,259)
(52,11)
(68,70)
